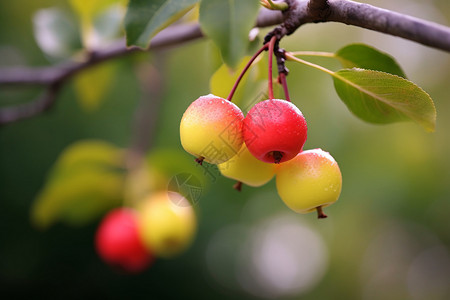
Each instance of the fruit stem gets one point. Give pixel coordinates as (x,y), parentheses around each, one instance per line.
(282,70)
(238,186)
(291,57)
(269,4)
(277,156)
(247,66)
(282,80)
(313,53)
(200,160)
(320,213)
(271,47)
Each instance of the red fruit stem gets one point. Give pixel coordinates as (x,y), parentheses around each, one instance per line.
(199,160)
(247,66)
(238,186)
(320,213)
(282,78)
(271,47)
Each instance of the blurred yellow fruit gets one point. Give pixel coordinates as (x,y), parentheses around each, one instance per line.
(167,223)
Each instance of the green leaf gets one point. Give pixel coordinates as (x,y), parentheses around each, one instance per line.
(146,18)
(92,85)
(78,199)
(379,97)
(227,23)
(366,57)
(85,182)
(88,154)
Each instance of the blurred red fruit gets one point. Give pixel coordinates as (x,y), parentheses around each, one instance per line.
(119,244)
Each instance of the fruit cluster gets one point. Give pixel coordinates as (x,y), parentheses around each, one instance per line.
(268,141)
(130,238)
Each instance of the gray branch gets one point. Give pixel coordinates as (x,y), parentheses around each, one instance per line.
(385,21)
(28,110)
(171,36)
(368,17)
(54,77)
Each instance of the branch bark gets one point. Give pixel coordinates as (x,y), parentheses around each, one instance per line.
(54,77)
(171,36)
(366,16)
(385,21)
(28,110)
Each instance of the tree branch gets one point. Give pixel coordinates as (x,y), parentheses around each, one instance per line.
(171,36)
(317,6)
(23,111)
(55,76)
(385,21)
(368,17)
(48,75)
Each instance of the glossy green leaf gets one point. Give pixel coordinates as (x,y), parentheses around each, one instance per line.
(146,18)
(379,97)
(366,57)
(85,181)
(227,23)
(92,85)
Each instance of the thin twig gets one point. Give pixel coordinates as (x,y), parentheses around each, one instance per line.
(270,76)
(283,82)
(247,66)
(27,110)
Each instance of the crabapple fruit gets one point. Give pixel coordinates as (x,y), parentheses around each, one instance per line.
(118,241)
(167,223)
(211,129)
(274,131)
(310,181)
(244,167)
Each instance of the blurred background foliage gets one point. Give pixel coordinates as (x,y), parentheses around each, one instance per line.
(388,237)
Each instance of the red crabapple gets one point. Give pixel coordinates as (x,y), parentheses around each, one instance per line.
(274,131)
